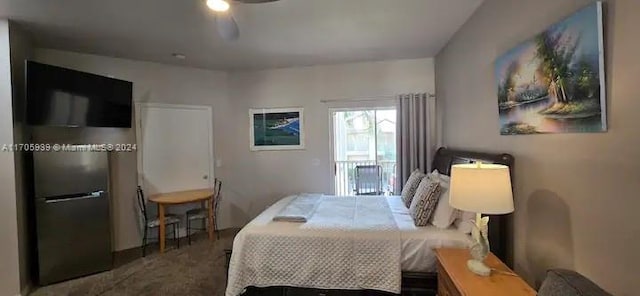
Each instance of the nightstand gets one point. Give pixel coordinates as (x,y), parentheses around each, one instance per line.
(454,279)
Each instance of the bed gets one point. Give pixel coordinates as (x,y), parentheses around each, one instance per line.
(381,252)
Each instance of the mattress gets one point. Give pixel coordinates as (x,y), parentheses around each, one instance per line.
(348,243)
(418,243)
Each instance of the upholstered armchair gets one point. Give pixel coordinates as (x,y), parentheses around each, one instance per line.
(562,282)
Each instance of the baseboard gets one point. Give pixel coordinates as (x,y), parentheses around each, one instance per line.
(122,257)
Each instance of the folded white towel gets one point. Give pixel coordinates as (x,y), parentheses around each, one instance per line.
(300,209)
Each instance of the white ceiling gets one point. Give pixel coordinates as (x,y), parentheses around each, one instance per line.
(279,34)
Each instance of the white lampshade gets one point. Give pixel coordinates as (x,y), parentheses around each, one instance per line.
(481,188)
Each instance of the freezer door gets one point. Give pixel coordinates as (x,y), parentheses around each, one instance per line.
(61,173)
(74,236)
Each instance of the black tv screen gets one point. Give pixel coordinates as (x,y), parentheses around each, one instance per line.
(63,97)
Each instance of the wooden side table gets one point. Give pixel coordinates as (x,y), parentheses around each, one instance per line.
(454,279)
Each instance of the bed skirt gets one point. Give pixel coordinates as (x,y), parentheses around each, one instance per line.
(413,284)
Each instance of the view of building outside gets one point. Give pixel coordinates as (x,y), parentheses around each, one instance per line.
(364,137)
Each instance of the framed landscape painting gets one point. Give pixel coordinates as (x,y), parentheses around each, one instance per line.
(555,82)
(277,129)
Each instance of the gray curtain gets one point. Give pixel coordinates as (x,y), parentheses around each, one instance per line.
(417,137)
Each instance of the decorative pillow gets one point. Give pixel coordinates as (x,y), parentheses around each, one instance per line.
(424,202)
(434,175)
(409,189)
(444,214)
(464,221)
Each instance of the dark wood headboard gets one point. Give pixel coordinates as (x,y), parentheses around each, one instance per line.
(499,228)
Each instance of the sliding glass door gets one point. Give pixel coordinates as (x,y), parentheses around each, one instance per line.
(364,151)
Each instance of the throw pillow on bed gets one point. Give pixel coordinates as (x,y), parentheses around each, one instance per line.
(410,187)
(444,214)
(465,221)
(424,201)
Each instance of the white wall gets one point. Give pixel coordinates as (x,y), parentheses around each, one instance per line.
(9,254)
(576,195)
(257,179)
(152,82)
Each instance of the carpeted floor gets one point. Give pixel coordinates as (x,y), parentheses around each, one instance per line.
(198,269)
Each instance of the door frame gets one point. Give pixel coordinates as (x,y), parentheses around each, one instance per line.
(332,111)
(139,135)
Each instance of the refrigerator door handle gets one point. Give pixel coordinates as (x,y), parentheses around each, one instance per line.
(79,197)
(97,193)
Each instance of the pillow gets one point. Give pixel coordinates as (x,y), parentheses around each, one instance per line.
(409,189)
(447,215)
(424,202)
(464,221)
(444,214)
(434,175)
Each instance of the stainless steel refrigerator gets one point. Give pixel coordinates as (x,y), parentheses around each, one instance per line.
(73,225)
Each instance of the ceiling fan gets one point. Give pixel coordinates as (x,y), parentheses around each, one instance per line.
(226,24)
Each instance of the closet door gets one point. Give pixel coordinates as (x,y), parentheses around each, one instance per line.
(177,147)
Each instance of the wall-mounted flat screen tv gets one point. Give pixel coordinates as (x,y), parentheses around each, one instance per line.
(68,98)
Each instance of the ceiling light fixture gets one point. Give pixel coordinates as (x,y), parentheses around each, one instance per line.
(218,5)
(179,56)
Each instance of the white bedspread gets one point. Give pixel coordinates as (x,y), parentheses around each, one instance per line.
(321,252)
(349,243)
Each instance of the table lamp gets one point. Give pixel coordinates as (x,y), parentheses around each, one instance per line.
(482,189)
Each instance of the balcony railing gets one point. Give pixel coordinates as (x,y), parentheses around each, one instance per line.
(345,178)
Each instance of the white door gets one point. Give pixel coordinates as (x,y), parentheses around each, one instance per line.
(177,147)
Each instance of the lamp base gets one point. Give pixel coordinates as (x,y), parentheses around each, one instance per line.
(478,267)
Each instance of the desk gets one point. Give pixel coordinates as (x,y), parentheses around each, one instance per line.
(182,197)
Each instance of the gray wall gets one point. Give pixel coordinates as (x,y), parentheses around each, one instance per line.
(21,49)
(9,251)
(576,194)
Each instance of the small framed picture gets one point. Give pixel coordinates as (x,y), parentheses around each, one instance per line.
(276,129)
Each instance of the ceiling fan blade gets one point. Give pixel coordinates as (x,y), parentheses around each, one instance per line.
(255,1)
(227,27)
